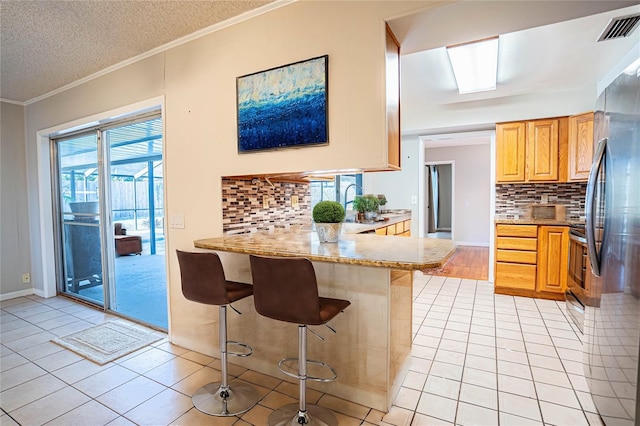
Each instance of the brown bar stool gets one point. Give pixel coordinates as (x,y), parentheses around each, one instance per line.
(203,281)
(285,289)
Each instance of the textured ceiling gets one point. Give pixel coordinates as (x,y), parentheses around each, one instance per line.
(46,45)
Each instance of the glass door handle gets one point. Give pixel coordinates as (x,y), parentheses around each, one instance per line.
(592,250)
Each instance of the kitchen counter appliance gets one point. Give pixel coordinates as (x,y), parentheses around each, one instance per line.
(612,322)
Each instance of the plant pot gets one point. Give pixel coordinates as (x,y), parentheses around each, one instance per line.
(328,232)
(86,210)
(370,216)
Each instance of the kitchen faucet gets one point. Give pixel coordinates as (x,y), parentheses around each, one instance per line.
(347,190)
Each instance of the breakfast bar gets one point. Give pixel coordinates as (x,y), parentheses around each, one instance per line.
(371,347)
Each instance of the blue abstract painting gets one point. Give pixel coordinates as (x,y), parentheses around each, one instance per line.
(284,106)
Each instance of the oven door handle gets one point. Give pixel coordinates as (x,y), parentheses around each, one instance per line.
(592,250)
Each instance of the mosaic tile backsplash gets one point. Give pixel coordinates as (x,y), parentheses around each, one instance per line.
(243,211)
(513,199)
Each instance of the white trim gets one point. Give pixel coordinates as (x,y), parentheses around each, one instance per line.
(421,189)
(186,39)
(15,294)
(491,133)
(492,207)
(471,243)
(45,208)
(9,101)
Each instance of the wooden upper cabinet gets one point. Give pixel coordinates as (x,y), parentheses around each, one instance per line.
(393,99)
(511,152)
(553,258)
(532,151)
(580,146)
(542,150)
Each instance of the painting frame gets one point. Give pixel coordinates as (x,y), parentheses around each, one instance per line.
(284,107)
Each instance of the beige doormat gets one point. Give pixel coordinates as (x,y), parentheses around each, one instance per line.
(108,341)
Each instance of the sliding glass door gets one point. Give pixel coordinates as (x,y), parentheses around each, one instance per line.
(78,183)
(110,192)
(136,186)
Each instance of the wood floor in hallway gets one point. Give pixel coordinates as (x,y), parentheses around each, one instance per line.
(467,262)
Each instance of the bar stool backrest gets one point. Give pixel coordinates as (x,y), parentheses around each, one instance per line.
(286,289)
(203,278)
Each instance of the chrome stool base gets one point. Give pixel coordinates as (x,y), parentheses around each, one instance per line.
(241,398)
(289,415)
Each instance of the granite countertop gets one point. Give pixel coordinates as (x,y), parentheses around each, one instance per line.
(358,228)
(395,252)
(529,221)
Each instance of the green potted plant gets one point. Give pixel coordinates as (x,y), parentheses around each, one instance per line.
(328,216)
(359,205)
(371,206)
(383,201)
(366,206)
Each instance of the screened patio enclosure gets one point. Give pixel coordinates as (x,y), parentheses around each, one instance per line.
(107,177)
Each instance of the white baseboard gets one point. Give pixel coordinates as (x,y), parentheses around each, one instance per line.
(467,243)
(13,295)
(39,293)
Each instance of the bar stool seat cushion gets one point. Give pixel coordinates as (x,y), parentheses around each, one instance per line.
(329,308)
(288,291)
(237,291)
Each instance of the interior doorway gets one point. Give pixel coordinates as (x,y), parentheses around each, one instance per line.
(110,209)
(439,200)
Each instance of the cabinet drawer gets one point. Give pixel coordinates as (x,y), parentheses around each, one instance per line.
(514,275)
(514,243)
(517,231)
(516,256)
(381,231)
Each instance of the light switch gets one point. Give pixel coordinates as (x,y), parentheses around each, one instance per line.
(176,220)
(414,199)
(294,201)
(265,201)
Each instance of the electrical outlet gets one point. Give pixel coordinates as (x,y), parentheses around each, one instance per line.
(265,201)
(26,278)
(294,201)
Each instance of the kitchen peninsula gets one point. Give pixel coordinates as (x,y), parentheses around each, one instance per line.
(371,349)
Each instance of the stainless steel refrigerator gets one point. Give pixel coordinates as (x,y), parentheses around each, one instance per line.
(612,322)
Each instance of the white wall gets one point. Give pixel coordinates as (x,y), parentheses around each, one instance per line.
(472,190)
(399,186)
(197,81)
(14,225)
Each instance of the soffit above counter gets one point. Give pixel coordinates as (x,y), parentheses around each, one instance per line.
(302,177)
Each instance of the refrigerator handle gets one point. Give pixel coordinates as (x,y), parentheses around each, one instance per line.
(592,250)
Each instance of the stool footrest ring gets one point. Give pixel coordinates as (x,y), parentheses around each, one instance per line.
(248,350)
(285,367)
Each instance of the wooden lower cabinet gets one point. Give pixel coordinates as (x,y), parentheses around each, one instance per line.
(531,260)
(401,228)
(553,258)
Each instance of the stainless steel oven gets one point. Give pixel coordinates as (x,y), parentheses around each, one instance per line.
(578,277)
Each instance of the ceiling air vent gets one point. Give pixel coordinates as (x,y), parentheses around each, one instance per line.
(620,27)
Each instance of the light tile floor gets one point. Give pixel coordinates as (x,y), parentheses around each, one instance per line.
(478,359)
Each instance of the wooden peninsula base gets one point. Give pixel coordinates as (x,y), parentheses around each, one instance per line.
(371,347)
